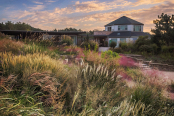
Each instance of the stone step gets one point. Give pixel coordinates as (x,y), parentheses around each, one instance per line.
(139,59)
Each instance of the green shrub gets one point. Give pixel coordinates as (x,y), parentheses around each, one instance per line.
(171,49)
(151,97)
(33,48)
(92,45)
(145,48)
(131,47)
(155,47)
(109,54)
(67,40)
(106,43)
(143,94)
(142,40)
(46,43)
(123,46)
(117,50)
(113,44)
(168,49)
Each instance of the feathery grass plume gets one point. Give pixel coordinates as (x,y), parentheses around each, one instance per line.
(12,105)
(3,36)
(127,108)
(150,96)
(53,89)
(7,45)
(155,78)
(15,102)
(136,75)
(95,58)
(33,49)
(38,87)
(94,86)
(30,63)
(67,40)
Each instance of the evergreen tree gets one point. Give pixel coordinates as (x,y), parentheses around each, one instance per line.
(55,30)
(164,29)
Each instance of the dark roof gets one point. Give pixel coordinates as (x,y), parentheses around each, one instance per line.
(139,34)
(123,34)
(17,32)
(100,35)
(124,21)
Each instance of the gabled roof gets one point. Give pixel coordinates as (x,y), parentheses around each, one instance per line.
(124,21)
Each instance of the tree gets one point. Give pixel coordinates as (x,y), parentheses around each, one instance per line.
(164,29)
(55,30)
(9,25)
(70,29)
(17,26)
(91,32)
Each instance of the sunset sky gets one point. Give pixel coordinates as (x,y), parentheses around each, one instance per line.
(82,14)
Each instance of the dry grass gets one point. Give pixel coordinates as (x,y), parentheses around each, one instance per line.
(30,63)
(95,58)
(10,46)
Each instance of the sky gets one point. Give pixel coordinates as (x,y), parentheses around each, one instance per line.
(82,14)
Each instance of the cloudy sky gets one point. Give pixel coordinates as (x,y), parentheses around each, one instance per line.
(82,14)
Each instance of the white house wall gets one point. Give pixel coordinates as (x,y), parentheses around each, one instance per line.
(130,27)
(118,42)
(142,28)
(115,27)
(106,28)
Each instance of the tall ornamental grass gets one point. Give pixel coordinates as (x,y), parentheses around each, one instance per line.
(10,46)
(30,63)
(92,87)
(109,59)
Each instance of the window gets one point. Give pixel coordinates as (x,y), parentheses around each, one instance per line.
(118,33)
(113,39)
(122,27)
(109,28)
(123,40)
(134,39)
(137,27)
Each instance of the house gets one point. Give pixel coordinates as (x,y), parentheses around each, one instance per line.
(123,29)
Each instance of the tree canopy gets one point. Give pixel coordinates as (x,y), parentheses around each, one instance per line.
(70,29)
(17,26)
(164,29)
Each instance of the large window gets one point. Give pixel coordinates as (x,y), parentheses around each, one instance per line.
(137,27)
(109,28)
(122,27)
(113,39)
(123,40)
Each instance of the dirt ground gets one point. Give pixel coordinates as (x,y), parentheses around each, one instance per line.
(168,75)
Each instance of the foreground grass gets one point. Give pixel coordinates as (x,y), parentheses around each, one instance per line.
(34,82)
